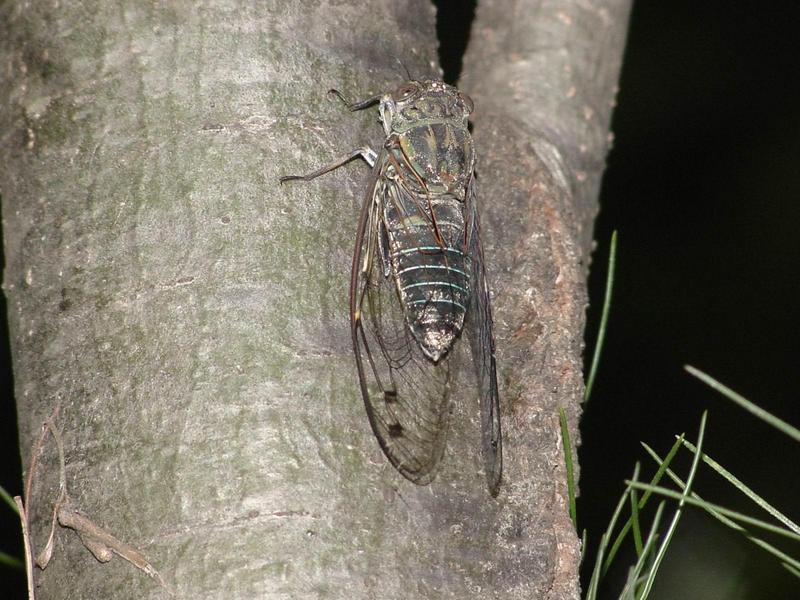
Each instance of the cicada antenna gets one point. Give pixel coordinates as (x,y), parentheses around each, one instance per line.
(405,68)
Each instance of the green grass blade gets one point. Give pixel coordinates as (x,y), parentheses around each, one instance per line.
(630,585)
(584,540)
(599,570)
(573,510)
(645,497)
(785,558)
(736,516)
(662,548)
(762,414)
(11,561)
(742,487)
(594,582)
(601,331)
(9,500)
(637,534)
(633,577)
(591,589)
(793,570)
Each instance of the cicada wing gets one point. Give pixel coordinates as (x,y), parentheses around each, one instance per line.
(479,320)
(405,393)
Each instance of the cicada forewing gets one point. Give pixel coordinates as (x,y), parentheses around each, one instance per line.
(481,335)
(406,393)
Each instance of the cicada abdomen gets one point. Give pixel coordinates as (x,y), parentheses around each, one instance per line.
(418,277)
(425,239)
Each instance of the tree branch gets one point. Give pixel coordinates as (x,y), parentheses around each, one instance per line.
(192,314)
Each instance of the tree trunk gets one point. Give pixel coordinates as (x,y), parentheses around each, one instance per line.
(189,315)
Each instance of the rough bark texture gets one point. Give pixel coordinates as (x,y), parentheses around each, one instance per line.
(543,75)
(190,315)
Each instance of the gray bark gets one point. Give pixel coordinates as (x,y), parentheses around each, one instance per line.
(543,74)
(190,315)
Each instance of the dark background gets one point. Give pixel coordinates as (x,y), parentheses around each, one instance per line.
(703,185)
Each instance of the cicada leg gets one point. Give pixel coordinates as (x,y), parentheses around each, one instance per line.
(365,152)
(358,104)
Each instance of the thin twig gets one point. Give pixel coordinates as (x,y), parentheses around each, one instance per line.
(23,519)
(101,543)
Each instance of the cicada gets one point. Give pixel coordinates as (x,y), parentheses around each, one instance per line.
(418,278)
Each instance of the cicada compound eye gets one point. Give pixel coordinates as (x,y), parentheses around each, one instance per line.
(405,91)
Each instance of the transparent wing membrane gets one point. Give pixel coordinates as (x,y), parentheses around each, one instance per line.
(405,393)
(481,339)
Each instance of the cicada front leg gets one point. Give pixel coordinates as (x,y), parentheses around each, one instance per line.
(365,152)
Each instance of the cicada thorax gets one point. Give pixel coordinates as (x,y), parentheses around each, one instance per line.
(425,221)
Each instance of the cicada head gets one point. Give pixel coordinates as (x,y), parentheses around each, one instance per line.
(418,101)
